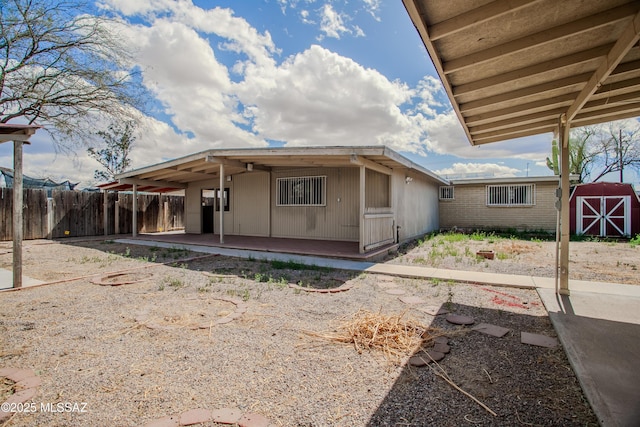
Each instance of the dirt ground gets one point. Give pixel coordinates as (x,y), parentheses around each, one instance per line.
(186,331)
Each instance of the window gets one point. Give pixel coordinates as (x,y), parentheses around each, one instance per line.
(511,195)
(301,191)
(446,192)
(225,199)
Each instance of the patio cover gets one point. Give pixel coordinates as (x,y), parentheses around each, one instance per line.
(516,68)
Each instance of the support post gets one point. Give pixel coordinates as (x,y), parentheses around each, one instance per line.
(134,208)
(563,137)
(105,209)
(18,199)
(221,203)
(116,216)
(362,193)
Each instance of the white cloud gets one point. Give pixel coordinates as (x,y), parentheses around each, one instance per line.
(477,170)
(321,98)
(332,22)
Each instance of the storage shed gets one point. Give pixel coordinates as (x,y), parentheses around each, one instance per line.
(606,209)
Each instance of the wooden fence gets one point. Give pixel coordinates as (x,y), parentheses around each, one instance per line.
(78,213)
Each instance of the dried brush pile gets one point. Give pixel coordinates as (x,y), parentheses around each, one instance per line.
(395,336)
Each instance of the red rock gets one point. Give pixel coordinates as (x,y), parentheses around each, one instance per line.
(412,300)
(441,348)
(22,396)
(5,372)
(418,361)
(441,340)
(20,374)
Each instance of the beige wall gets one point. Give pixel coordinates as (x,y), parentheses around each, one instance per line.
(250,204)
(338,220)
(416,204)
(469,210)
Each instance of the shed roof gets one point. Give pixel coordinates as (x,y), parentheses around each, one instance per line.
(514,68)
(178,173)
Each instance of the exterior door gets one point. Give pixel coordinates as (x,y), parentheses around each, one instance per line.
(603,215)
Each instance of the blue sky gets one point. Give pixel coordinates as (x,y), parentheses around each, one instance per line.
(288,72)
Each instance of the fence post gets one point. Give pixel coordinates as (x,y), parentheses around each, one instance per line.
(50,222)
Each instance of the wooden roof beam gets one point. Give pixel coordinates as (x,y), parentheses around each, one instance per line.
(540,68)
(476,16)
(627,39)
(361,161)
(543,37)
(152,183)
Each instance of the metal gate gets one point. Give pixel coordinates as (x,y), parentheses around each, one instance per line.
(603,215)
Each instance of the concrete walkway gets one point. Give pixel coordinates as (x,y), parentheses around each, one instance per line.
(6,280)
(598,324)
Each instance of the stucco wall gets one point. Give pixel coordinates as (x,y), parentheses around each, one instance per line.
(469,210)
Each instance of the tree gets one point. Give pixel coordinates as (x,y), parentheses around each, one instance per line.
(114,157)
(63,68)
(595,151)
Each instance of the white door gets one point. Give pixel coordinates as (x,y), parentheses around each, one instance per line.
(603,215)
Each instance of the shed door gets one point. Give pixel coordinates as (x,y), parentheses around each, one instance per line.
(603,215)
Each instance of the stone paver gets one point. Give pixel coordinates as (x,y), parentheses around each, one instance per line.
(441,348)
(538,340)
(26,383)
(226,415)
(20,374)
(493,330)
(253,420)
(433,310)
(195,416)
(441,340)
(172,421)
(396,291)
(412,300)
(458,319)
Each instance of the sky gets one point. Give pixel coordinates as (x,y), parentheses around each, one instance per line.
(272,73)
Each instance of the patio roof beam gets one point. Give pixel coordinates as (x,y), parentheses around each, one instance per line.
(152,183)
(360,161)
(476,16)
(544,37)
(629,37)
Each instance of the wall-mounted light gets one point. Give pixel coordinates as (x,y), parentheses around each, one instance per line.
(228,178)
(408,179)
(249,167)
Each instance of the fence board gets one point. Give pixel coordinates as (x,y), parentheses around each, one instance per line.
(77,213)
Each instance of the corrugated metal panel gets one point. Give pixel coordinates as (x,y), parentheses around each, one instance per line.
(251,204)
(338,220)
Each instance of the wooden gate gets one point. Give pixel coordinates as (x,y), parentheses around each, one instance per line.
(603,215)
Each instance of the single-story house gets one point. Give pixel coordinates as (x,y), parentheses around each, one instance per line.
(368,194)
(520,203)
(605,209)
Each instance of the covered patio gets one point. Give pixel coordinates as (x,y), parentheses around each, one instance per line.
(321,248)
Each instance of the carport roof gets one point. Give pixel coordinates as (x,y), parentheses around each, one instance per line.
(176,174)
(513,68)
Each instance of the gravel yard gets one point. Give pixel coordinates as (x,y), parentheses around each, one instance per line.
(187,331)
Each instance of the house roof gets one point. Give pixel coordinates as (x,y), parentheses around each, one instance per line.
(507,180)
(514,68)
(178,173)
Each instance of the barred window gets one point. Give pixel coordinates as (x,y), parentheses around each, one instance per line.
(446,192)
(301,191)
(511,195)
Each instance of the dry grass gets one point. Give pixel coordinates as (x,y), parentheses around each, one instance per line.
(6,389)
(395,336)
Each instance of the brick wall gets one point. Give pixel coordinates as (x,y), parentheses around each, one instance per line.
(469,210)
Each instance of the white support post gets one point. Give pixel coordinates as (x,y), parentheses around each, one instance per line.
(105,209)
(134,220)
(363,175)
(18,200)
(565,218)
(221,203)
